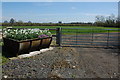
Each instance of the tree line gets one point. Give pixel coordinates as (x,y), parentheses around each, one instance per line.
(12,22)
(110,21)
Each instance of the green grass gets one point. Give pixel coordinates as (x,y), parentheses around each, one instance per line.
(64,27)
(4,59)
(86,30)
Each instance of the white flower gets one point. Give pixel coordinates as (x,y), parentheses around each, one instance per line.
(5,76)
(40,31)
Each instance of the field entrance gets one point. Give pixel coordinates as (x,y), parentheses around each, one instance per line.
(90,37)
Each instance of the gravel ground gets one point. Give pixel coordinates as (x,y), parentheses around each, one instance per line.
(66,62)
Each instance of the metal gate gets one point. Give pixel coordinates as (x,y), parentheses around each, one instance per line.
(90,37)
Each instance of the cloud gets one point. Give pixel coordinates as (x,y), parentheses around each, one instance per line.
(5,18)
(95,14)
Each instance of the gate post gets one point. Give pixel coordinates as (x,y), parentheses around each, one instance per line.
(58,36)
(108,39)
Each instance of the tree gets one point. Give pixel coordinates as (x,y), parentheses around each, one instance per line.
(60,22)
(29,22)
(118,22)
(100,19)
(12,21)
(109,21)
(5,21)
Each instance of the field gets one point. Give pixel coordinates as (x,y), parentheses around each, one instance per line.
(74,29)
(49,27)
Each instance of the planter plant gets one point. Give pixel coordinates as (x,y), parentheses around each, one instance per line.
(20,41)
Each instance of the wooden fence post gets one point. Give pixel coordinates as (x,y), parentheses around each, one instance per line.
(58,36)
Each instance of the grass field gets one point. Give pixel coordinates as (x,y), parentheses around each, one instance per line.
(64,27)
(73,30)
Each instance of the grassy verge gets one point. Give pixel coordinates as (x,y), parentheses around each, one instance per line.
(3,58)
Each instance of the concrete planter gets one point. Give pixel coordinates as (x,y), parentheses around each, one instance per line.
(15,48)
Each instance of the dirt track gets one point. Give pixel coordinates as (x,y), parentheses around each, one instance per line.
(66,62)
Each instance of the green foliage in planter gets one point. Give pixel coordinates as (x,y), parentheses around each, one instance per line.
(23,34)
(46,32)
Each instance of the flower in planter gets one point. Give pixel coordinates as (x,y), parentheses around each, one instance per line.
(43,36)
(23,34)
